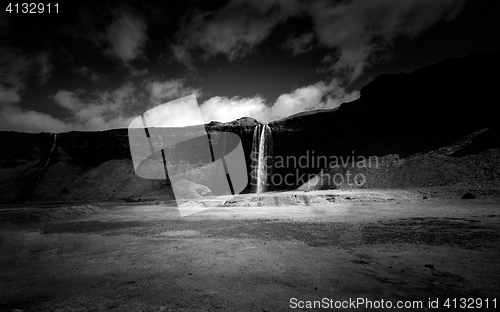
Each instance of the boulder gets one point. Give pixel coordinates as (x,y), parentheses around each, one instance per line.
(186,189)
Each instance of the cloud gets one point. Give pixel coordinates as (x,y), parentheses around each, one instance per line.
(123,39)
(126,37)
(183,56)
(8,95)
(99,110)
(177,113)
(180,112)
(116,109)
(4,19)
(68,100)
(161,92)
(358,32)
(233,31)
(299,44)
(362,31)
(45,67)
(316,96)
(134,72)
(14,67)
(14,118)
(95,110)
(89,73)
(225,109)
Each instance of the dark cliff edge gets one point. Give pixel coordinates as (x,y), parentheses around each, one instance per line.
(436,110)
(434,126)
(89,166)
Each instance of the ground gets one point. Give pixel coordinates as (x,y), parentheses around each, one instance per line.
(252,253)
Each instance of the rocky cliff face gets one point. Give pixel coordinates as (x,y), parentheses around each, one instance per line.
(87,165)
(400,115)
(399,118)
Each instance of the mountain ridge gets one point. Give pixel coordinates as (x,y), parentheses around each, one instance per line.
(403,114)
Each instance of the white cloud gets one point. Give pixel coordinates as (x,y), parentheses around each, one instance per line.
(68,100)
(117,108)
(161,92)
(316,96)
(180,112)
(225,109)
(14,118)
(105,110)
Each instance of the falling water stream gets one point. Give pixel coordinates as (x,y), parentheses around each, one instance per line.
(51,151)
(261,154)
(49,157)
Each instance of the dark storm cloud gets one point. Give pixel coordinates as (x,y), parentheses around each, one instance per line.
(122,39)
(357,32)
(126,37)
(15,68)
(127,40)
(362,31)
(4,22)
(45,67)
(89,73)
(234,30)
(298,44)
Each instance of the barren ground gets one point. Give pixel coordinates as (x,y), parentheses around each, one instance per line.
(250,253)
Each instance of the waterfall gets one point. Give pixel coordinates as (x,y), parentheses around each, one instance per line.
(42,171)
(51,150)
(261,157)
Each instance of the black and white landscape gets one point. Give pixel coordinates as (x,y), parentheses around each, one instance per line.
(338,155)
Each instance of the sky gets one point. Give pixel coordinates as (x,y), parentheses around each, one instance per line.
(99,65)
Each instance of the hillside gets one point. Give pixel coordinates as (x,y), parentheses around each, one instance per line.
(435,126)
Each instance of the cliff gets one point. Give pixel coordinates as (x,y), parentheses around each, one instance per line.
(434,126)
(402,115)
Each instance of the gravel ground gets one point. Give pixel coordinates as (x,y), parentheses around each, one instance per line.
(244,258)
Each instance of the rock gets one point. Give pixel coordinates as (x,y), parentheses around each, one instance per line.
(187,189)
(318,182)
(430,266)
(468,195)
